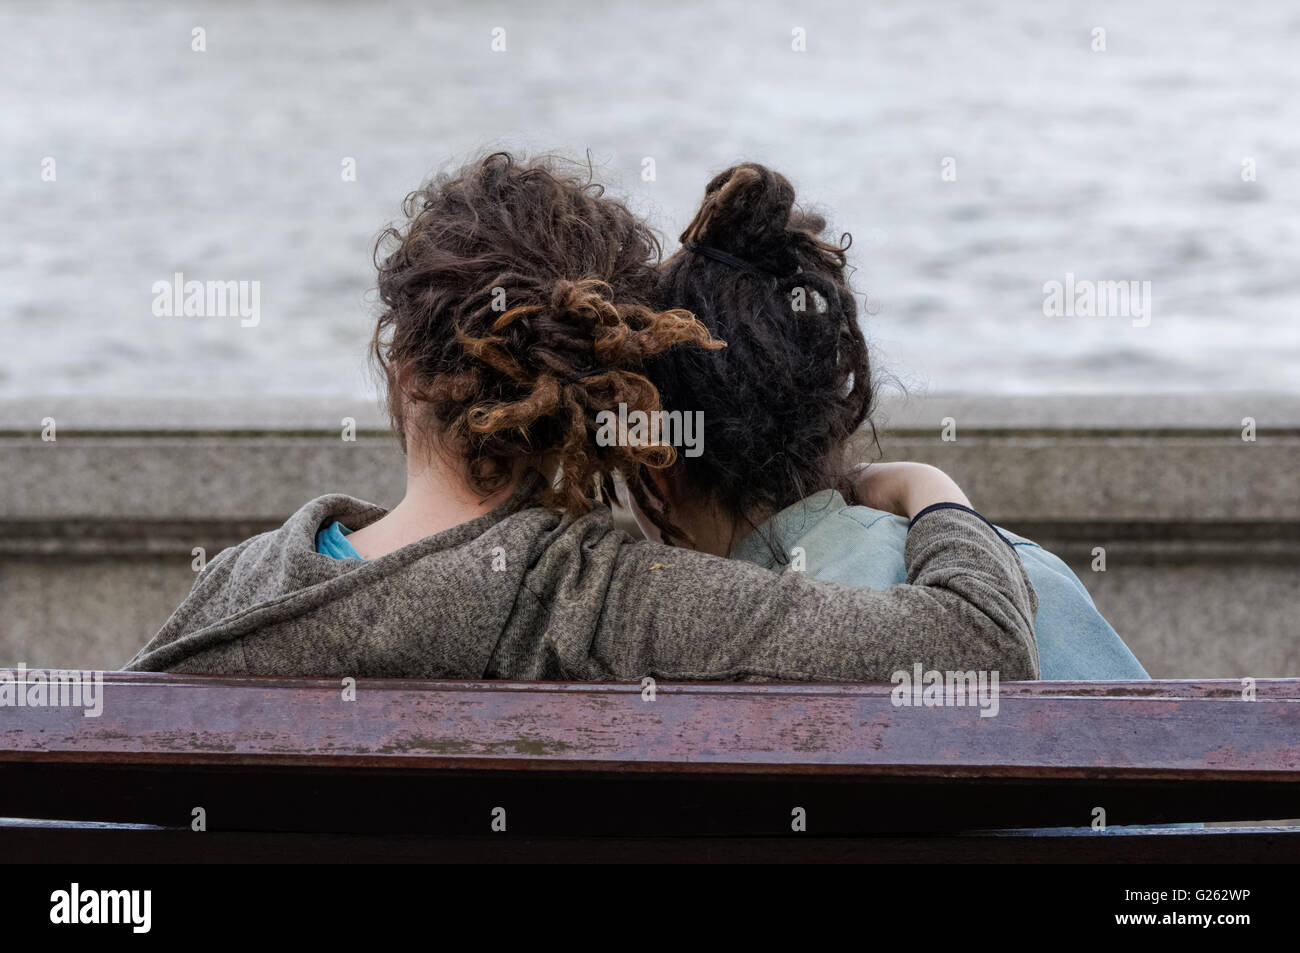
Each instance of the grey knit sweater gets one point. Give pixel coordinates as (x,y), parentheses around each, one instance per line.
(522,593)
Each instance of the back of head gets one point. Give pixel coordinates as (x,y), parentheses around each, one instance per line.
(794,381)
(517,306)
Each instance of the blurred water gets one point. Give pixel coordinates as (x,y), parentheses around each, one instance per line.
(1120,165)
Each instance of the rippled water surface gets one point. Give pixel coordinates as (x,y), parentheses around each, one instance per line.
(1116,165)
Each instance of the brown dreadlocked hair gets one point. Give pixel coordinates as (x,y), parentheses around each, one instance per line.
(515,309)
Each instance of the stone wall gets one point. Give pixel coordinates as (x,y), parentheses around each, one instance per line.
(1201,529)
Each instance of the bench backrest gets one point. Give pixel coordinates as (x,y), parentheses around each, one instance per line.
(412,757)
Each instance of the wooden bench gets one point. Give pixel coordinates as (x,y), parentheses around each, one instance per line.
(286,769)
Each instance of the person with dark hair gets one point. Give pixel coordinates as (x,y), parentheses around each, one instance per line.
(781,403)
(517,311)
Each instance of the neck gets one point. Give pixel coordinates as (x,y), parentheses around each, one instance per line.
(438,497)
(712,529)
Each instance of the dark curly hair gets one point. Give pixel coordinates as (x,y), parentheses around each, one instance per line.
(517,306)
(795,380)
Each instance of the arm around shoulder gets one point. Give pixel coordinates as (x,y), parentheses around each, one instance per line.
(966,605)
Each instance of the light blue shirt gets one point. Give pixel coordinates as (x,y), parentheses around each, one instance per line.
(859,546)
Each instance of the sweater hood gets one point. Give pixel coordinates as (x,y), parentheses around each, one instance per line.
(283,608)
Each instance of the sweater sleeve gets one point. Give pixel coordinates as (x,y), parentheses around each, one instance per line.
(678,614)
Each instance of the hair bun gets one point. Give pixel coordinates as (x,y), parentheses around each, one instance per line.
(747,213)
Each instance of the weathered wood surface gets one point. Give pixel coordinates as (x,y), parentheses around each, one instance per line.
(598,760)
(1062,729)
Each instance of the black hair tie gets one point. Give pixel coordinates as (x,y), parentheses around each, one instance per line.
(724,258)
